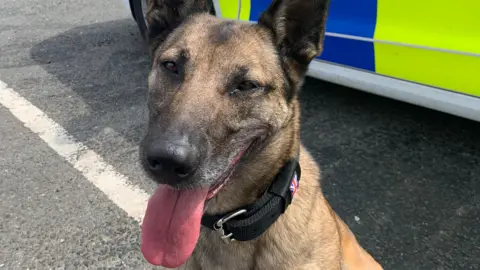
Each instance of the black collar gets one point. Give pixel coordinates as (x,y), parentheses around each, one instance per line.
(249,222)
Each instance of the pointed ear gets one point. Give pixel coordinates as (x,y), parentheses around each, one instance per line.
(163,16)
(298,29)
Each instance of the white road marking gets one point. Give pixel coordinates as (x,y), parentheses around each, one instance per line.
(130,198)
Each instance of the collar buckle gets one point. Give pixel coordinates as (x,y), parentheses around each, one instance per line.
(218,226)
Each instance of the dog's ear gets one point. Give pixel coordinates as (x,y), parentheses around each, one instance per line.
(298,28)
(163,16)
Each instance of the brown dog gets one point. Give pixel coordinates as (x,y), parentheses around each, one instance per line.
(223,143)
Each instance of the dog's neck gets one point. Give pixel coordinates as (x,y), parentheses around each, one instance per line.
(256,174)
(252,220)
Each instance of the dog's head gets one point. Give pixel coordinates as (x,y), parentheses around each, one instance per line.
(220,94)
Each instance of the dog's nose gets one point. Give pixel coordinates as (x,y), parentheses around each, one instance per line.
(172,161)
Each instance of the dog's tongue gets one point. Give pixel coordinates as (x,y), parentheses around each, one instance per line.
(171,225)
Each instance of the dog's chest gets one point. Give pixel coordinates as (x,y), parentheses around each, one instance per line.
(212,253)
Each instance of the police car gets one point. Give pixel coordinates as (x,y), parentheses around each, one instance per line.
(421,52)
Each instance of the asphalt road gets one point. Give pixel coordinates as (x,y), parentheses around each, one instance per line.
(406,179)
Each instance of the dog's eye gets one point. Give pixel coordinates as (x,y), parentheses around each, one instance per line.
(170,66)
(246,86)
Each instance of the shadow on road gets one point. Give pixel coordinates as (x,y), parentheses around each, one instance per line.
(406,179)
(107,65)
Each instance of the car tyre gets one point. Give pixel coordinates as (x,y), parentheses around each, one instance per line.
(139,11)
(140,8)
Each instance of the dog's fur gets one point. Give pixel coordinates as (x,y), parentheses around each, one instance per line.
(237,83)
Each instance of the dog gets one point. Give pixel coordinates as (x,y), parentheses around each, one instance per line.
(237,189)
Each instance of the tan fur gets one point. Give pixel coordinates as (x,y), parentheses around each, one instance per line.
(309,235)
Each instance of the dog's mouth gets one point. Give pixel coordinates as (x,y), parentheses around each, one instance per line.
(225,177)
(171,225)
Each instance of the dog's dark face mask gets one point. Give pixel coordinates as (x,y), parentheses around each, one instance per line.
(219,91)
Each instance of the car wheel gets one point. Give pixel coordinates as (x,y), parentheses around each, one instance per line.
(140,10)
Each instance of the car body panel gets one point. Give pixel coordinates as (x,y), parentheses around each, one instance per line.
(433,43)
(447,40)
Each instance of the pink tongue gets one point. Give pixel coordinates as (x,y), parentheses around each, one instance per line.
(171,225)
